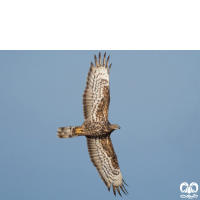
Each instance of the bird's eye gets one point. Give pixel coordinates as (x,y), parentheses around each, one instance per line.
(114,125)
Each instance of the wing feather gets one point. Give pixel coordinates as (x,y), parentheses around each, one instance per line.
(103,157)
(96,97)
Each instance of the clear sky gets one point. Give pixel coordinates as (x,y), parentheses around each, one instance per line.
(155,98)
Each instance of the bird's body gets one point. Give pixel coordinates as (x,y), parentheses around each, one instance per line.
(90,129)
(96,127)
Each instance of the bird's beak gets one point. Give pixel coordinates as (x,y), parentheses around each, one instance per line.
(119,127)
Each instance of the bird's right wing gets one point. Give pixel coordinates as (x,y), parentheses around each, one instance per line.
(103,157)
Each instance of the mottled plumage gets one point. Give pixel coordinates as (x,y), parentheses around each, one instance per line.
(96,127)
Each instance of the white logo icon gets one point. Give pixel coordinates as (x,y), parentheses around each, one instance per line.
(192,188)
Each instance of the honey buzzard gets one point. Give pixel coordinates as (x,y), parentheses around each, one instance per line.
(96,127)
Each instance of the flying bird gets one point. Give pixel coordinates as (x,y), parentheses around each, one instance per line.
(96,127)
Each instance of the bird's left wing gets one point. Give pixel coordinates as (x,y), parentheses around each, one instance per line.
(96,97)
(103,157)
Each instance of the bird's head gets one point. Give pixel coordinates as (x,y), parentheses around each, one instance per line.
(114,126)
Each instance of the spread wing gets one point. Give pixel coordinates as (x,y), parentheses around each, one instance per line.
(103,157)
(96,97)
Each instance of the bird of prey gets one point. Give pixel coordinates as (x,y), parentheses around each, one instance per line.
(96,127)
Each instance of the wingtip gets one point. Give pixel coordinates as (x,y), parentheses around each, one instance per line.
(107,61)
(96,62)
(92,65)
(119,191)
(124,189)
(109,68)
(114,191)
(125,182)
(99,58)
(104,59)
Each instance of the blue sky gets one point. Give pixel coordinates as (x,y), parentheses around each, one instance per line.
(155,99)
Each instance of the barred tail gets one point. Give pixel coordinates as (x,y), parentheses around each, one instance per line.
(66,132)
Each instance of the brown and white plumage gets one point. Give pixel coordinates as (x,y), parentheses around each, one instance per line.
(103,157)
(96,127)
(96,97)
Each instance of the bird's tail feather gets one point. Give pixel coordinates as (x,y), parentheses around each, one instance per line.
(67,132)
